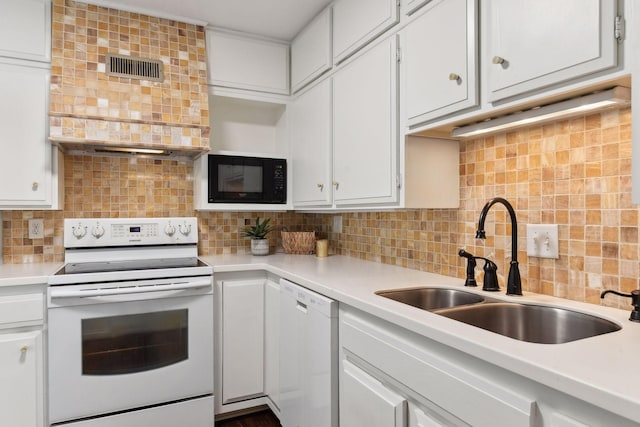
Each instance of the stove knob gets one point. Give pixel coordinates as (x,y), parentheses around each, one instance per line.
(169,230)
(185,230)
(79,231)
(97,231)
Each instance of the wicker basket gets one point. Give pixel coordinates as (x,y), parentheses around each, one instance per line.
(299,242)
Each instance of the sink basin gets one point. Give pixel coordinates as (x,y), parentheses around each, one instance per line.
(532,323)
(432,298)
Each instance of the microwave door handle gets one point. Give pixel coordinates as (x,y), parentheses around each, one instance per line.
(72,293)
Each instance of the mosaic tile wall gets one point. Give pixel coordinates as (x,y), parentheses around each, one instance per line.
(574,173)
(104,186)
(86,104)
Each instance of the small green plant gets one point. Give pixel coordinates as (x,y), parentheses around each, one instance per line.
(258,231)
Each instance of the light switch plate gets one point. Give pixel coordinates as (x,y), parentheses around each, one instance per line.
(36,228)
(337,224)
(542,240)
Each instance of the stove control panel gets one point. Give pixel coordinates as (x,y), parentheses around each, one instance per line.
(107,232)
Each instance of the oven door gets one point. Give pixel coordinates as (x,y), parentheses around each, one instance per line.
(138,344)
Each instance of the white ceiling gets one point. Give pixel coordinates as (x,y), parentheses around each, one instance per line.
(279,19)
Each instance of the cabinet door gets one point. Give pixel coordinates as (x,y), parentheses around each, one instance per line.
(242,339)
(365,128)
(310,136)
(533,44)
(357,22)
(25,29)
(311,51)
(272,341)
(365,401)
(247,63)
(439,61)
(21,379)
(25,164)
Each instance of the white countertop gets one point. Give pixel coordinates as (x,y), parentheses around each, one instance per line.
(599,370)
(27,274)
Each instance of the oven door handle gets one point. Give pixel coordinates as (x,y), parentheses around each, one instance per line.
(65,293)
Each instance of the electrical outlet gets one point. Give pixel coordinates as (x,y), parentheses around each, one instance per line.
(542,240)
(36,228)
(337,224)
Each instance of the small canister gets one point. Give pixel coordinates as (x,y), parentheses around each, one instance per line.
(322,247)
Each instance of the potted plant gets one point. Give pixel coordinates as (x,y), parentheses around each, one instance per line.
(257,233)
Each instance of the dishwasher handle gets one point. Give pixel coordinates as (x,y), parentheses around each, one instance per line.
(87,293)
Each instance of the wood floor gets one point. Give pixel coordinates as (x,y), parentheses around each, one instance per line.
(258,419)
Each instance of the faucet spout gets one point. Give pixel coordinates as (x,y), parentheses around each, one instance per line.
(514,284)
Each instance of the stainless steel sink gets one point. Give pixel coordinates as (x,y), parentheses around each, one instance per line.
(532,323)
(432,298)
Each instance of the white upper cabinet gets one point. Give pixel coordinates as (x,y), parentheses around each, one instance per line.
(365,128)
(310,136)
(25,29)
(357,22)
(534,44)
(243,62)
(311,51)
(27,168)
(439,61)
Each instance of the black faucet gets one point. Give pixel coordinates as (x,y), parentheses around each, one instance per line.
(490,281)
(634,295)
(514,285)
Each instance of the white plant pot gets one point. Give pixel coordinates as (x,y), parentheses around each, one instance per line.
(260,246)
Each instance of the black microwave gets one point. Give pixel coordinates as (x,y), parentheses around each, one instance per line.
(240,179)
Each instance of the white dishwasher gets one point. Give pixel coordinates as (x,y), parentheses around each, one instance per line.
(308,358)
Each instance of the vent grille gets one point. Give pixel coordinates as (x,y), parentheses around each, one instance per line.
(134,68)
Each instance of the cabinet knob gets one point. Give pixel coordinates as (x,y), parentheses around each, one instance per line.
(24,349)
(454,76)
(498,60)
(34,186)
(320,186)
(336,184)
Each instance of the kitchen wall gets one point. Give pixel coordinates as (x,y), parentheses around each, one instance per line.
(574,173)
(111,187)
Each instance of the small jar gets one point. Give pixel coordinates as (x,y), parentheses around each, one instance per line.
(322,248)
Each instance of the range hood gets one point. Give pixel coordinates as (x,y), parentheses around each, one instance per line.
(127,83)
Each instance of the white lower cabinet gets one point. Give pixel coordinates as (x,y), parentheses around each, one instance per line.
(386,369)
(22,360)
(272,343)
(239,341)
(21,392)
(370,403)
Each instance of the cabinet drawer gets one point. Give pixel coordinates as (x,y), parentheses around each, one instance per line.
(18,309)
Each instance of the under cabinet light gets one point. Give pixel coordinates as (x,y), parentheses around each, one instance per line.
(616,97)
(131,150)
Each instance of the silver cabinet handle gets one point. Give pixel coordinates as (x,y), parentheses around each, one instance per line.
(498,60)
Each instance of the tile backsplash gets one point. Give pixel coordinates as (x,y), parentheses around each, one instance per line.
(574,173)
(87,105)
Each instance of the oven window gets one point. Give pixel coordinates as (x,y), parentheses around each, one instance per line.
(134,343)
